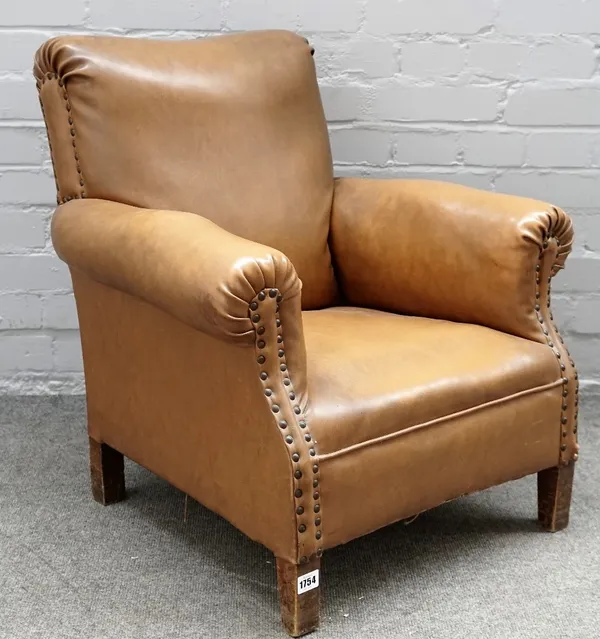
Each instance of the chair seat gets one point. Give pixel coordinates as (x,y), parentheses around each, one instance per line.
(372,374)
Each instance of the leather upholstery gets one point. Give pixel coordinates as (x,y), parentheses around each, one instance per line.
(198,126)
(439,370)
(446,368)
(445,251)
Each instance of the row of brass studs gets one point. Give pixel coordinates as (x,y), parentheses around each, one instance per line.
(287,382)
(81,195)
(565,381)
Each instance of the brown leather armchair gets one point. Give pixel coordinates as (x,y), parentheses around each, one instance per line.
(311,358)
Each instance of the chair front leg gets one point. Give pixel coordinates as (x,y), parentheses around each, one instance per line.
(299,595)
(107,473)
(554,496)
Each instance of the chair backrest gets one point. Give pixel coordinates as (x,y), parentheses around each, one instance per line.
(228,127)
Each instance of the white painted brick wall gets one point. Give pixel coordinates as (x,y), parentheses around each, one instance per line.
(495,94)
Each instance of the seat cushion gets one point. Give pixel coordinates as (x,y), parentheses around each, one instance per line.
(372,374)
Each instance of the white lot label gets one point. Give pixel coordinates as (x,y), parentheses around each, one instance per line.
(308,581)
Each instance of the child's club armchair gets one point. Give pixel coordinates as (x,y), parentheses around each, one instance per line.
(311,358)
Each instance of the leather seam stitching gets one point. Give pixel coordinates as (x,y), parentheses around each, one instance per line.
(300,455)
(439,420)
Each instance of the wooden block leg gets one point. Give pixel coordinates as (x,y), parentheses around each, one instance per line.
(554,496)
(299,612)
(107,473)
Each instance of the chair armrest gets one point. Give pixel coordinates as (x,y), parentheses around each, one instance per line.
(446,251)
(231,406)
(179,262)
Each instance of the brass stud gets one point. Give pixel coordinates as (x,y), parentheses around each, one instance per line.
(273,292)
(279,339)
(563,420)
(315,468)
(275,408)
(70,120)
(287,381)
(261,359)
(297,410)
(300,510)
(298,493)
(565,393)
(537,295)
(312,452)
(537,307)
(298,474)
(302,423)
(551,344)
(253,306)
(278,322)
(256,318)
(289,439)
(307,437)
(260,343)
(264,376)
(565,380)
(281,352)
(261,296)
(537,268)
(564,407)
(282,368)
(292,396)
(562,367)
(318,534)
(279,298)
(575,456)
(303,560)
(301,528)
(316,494)
(296,457)
(317,521)
(563,447)
(268,392)
(317,508)
(283,424)
(319,550)
(564,433)
(315,483)
(260,330)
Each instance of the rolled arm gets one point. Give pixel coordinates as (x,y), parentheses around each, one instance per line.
(177,261)
(447,251)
